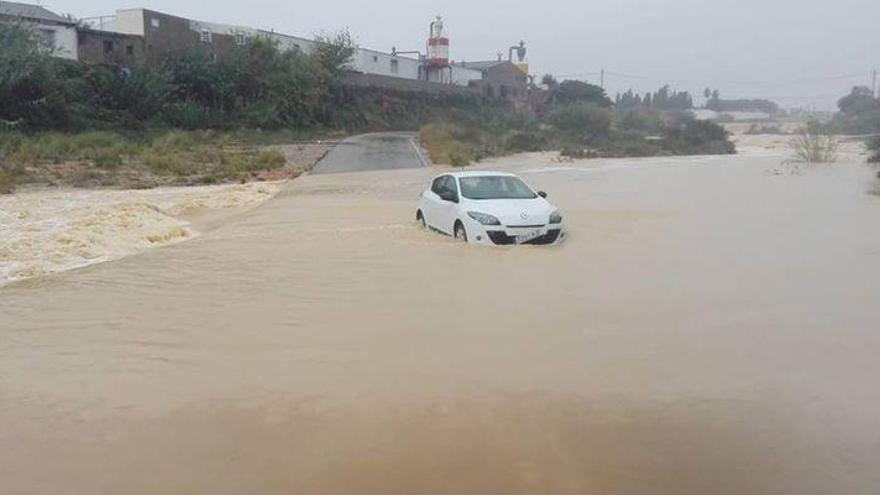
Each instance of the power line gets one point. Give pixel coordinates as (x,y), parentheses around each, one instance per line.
(708,82)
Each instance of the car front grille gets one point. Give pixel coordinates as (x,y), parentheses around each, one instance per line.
(502,239)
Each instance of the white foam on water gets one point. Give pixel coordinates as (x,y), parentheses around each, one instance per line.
(47,231)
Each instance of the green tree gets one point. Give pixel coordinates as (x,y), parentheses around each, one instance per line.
(549,81)
(568,92)
(686,135)
(334,52)
(584,119)
(31,95)
(859,100)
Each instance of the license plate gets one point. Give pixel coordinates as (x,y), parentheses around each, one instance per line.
(520,239)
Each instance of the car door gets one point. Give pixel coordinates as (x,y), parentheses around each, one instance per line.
(447,210)
(433,201)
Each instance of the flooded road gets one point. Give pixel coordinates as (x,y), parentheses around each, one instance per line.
(708,327)
(374,151)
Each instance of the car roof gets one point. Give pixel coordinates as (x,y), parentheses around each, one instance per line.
(477,173)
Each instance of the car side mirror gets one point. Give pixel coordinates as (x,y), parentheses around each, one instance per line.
(542,194)
(449,196)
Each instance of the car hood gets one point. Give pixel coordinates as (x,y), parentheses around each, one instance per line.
(514,212)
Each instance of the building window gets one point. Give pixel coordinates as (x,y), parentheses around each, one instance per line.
(129,50)
(205,36)
(395,67)
(296,47)
(154,22)
(48,37)
(240,39)
(375,58)
(108,47)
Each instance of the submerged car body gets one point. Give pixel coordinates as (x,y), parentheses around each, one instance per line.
(491,208)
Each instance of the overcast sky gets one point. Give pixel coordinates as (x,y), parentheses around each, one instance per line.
(797,52)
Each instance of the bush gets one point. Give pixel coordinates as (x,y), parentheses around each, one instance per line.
(449,144)
(579,92)
(257,85)
(8,179)
(811,147)
(874,148)
(519,141)
(587,121)
(685,135)
(32,96)
(642,121)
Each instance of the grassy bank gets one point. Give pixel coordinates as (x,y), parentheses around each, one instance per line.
(110,159)
(577,131)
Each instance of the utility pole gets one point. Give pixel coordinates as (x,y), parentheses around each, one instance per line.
(602,78)
(874,84)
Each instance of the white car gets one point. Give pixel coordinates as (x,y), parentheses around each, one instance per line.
(489,208)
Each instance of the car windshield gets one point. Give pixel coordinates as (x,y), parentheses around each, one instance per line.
(495,187)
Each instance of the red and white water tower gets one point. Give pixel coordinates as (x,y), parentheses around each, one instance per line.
(437,53)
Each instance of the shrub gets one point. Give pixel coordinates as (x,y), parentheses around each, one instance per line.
(458,157)
(688,136)
(107,157)
(874,148)
(642,121)
(188,115)
(450,144)
(588,121)
(239,164)
(164,163)
(579,92)
(8,179)
(811,147)
(519,141)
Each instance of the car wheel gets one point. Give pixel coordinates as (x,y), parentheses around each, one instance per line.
(421,219)
(460,233)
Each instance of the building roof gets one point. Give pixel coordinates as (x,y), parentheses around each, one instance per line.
(483,64)
(32,12)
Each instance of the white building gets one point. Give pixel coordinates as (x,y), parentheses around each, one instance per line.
(163,31)
(57,31)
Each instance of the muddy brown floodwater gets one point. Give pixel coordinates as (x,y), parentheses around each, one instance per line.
(708,327)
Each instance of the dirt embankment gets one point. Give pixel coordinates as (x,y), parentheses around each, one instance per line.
(45,230)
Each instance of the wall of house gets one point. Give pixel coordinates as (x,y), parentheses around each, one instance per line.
(109,48)
(164,34)
(506,81)
(287,42)
(401,84)
(62,37)
(129,21)
(463,76)
(384,64)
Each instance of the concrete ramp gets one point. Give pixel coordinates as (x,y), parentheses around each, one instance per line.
(375,151)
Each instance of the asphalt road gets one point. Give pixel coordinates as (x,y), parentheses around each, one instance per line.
(376,151)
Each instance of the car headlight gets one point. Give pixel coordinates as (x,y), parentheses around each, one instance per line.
(484,218)
(555,217)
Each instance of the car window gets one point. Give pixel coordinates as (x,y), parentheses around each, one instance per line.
(495,187)
(450,186)
(437,185)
